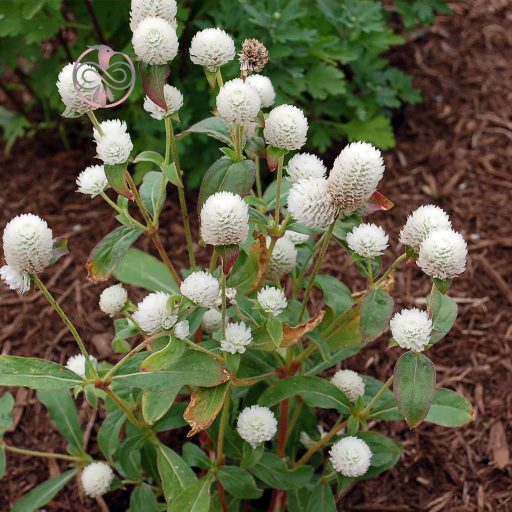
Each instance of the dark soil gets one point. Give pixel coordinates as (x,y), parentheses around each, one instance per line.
(453,150)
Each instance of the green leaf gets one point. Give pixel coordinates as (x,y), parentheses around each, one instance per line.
(144,499)
(274,472)
(110,251)
(196,457)
(324,80)
(444,313)
(449,409)
(376,310)
(195,498)
(239,483)
(171,174)
(165,357)
(414,386)
(322,499)
(213,127)
(43,493)
(386,408)
(336,295)
(150,192)
(377,131)
(385,453)
(109,433)
(6,405)
(63,412)
(174,472)
(155,404)
(116,176)
(35,373)
(153,80)
(149,156)
(275,330)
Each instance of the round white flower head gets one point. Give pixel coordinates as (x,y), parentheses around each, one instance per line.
(411,329)
(182,329)
(113,299)
(296,237)
(421,223)
(152,313)
(368,240)
(236,339)
(28,243)
(201,288)
(77,364)
(212,48)
(114,148)
(212,320)
(286,127)
(350,382)
(272,300)
(351,456)
(238,102)
(109,127)
(310,203)
(305,165)
(443,254)
(15,279)
(142,9)
(87,77)
(306,440)
(155,41)
(355,175)
(173,100)
(92,180)
(256,425)
(224,219)
(96,479)
(264,87)
(284,258)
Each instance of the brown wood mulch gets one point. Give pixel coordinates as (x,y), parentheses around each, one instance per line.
(453,150)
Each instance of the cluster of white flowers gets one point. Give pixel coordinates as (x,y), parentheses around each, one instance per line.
(264,88)
(351,456)
(173,100)
(350,382)
(78,365)
(368,240)
(272,300)
(411,329)
(155,41)
(305,165)
(142,9)
(92,180)
(201,288)
(96,479)
(113,299)
(212,48)
(286,127)
(153,314)
(256,425)
(212,321)
(114,145)
(238,102)
(283,259)
(236,338)
(75,93)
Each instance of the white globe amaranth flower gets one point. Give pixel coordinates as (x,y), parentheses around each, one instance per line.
(421,223)
(182,329)
(28,244)
(256,425)
(296,237)
(173,100)
(201,288)
(350,456)
(306,439)
(355,175)
(305,165)
(286,127)
(109,127)
(350,382)
(92,181)
(212,48)
(272,300)
(238,102)
(114,147)
(142,9)
(411,329)
(368,240)
(113,299)
(442,254)
(155,41)
(236,338)
(212,321)
(284,258)
(15,279)
(264,88)
(152,313)
(78,365)
(311,204)
(96,479)
(224,219)
(75,96)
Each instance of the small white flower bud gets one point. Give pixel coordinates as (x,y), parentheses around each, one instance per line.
(236,339)
(351,456)
(238,102)
(201,288)
(153,314)
(306,440)
(305,165)
(182,329)
(142,9)
(368,240)
(155,41)
(272,300)
(113,299)
(212,48)
(411,329)
(15,279)
(92,180)
(284,258)
(96,479)
(212,321)
(350,382)
(286,127)
(74,97)
(78,365)
(264,87)
(296,237)
(173,100)
(256,425)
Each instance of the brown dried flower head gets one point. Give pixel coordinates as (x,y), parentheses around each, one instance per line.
(254,56)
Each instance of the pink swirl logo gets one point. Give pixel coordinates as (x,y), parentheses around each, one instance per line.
(106,82)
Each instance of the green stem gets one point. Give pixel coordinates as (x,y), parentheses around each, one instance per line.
(95,122)
(295,417)
(369,270)
(155,237)
(121,404)
(138,200)
(222,428)
(213,261)
(392,268)
(377,397)
(259,190)
(121,211)
(220,81)
(44,455)
(277,210)
(223,292)
(199,348)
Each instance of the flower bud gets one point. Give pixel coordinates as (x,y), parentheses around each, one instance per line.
(113,299)
(212,320)
(92,180)
(155,41)
(254,56)
(78,365)
(350,382)
(286,127)
(305,165)
(182,329)
(96,479)
(284,258)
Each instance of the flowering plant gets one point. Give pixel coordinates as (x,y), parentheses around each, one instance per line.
(237,352)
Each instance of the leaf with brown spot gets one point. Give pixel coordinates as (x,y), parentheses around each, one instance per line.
(292,335)
(259,251)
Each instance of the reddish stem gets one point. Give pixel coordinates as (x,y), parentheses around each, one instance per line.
(222,497)
(283,426)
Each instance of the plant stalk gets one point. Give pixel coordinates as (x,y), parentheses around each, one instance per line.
(44,455)
(377,397)
(94,120)
(198,348)
(155,237)
(277,210)
(222,428)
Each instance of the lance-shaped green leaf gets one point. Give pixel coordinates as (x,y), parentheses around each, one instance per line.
(150,194)
(376,310)
(275,330)
(149,156)
(153,80)
(449,409)
(116,176)
(155,404)
(195,498)
(239,483)
(171,173)
(444,313)
(274,472)
(6,405)
(336,295)
(174,472)
(214,127)
(414,386)
(164,358)
(108,434)
(321,499)
(143,498)
(386,408)
(385,453)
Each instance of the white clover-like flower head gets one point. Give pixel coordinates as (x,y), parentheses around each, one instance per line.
(238,102)
(272,300)
(153,314)
(306,440)
(355,175)
(15,279)
(351,456)
(155,41)
(173,100)
(264,87)
(28,244)
(286,127)
(284,258)
(142,9)
(443,254)
(411,329)
(211,48)
(212,321)
(87,81)
(296,237)
(113,299)
(311,204)
(201,288)
(350,382)
(96,479)
(92,180)
(237,337)
(78,365)
(421,223)
(224,219)
(109,127)
(368,240)
(305,165)
(256,425)
(114,148)
(182,329)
